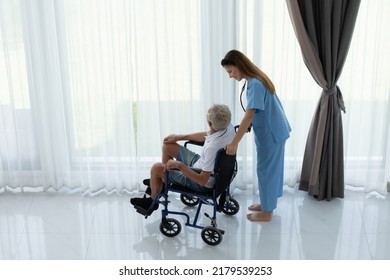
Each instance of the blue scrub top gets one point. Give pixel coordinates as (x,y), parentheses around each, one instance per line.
(270,123)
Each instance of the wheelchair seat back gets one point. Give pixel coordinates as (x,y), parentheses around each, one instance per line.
(225,169)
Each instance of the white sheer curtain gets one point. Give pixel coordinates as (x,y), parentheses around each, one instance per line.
(366,86)
(89,88)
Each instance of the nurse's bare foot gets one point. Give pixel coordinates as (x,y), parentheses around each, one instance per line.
(255,207)
(260,216)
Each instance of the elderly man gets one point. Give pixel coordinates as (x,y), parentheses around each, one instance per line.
(180,160)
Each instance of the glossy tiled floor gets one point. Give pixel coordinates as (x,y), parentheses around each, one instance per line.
(107,227)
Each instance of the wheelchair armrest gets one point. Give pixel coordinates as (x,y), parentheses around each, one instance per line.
(193,143)
(197,170)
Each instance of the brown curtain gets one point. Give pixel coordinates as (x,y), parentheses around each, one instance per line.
(324,31)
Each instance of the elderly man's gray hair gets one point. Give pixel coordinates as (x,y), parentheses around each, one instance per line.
(219,116)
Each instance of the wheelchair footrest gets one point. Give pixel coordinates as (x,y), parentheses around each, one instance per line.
(143,211)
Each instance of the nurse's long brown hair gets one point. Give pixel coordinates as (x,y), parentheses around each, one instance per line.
(247,67)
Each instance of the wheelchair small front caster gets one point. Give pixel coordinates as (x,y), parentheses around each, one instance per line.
(211,235)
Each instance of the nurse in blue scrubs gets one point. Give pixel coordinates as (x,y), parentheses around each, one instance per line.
(271,129)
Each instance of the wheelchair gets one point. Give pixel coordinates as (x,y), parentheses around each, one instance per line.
(219,197)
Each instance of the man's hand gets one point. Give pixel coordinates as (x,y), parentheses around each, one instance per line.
(173,138)
(172,164)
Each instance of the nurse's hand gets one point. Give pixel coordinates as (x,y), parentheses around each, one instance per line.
(231,149)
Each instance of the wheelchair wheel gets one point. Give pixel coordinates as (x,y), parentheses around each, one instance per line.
(170,227)
(189,200)
(211,235)
(231,207)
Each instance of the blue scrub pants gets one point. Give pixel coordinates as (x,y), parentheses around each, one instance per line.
(270,173)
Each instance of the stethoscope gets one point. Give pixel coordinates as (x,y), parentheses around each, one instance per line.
(242,90)
(242,105)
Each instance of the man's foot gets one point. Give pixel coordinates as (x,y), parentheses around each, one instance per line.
(255,207)
(144,202)
(260,216)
